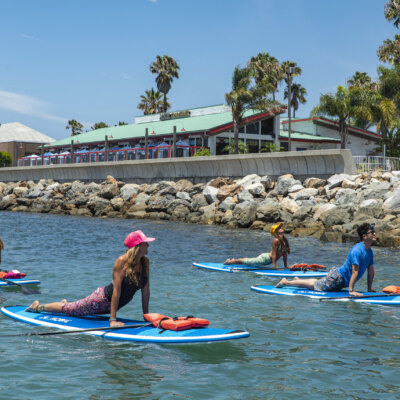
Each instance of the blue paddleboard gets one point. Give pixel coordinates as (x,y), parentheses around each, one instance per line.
(371,297)
(261,270)
(148,334)
(20,282)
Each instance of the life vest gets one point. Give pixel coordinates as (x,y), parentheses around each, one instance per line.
(11,274)
(307,267)
(176,323)
(391,289)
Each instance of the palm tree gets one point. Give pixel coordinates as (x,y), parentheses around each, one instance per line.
(267,72)
(338,106)
(392,12)
(230,147)
(99,125)
(285,70)
(360,79)
(298,94)
(151,102)
(166,69)
(271,147)
(390,50)
(75,126)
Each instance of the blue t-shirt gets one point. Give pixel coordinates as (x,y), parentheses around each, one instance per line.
(360,256)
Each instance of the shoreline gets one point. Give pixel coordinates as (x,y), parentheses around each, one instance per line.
(328,209)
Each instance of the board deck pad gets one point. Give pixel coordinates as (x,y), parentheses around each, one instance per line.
(373,297)
(260,270)
(148,334)
(20,282)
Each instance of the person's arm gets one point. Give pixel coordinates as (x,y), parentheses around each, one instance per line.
(284,256)
(353,279)
(370,278)
(118,276)
(146,297)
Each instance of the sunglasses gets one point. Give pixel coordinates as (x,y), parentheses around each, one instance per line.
(370,231)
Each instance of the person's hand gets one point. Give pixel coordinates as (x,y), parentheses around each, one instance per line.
(228,261)
(116,323)
(353,293)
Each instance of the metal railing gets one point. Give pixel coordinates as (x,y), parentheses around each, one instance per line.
(376,163)
(109,155)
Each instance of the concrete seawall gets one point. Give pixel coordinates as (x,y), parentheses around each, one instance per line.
(315,163)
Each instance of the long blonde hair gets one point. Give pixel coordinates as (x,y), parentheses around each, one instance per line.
(134,270)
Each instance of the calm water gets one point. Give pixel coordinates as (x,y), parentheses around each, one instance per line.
(298,348)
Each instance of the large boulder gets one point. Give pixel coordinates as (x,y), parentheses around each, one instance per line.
(284,183)
(392,204)
(129,190)
(245,213)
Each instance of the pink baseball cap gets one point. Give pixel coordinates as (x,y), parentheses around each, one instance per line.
(135,238)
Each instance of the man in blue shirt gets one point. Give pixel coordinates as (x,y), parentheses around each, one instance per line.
(359,260)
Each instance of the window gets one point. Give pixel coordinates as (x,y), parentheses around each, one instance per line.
(221,144)
(267,126)
(199,141)
(252,144)
(253,128)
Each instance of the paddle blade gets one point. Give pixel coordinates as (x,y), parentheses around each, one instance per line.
(28,290)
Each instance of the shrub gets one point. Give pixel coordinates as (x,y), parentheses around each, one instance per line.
(202,152)
(5,159)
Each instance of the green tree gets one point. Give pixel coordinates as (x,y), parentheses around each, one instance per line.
(202,152)
(392,141)
(152,102)
(392,12)
(267,72)
(166,69)
(338,106)
(99,125)
(121,123)
(271,147)
(245,96)
(75,126)
(5,160)
(360,80)
(230,147)
(298,94)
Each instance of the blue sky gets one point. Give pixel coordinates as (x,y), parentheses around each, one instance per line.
(89,59)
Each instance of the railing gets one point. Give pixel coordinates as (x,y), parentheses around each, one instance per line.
(112,155)
(376,163)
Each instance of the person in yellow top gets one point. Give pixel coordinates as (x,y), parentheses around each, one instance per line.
(280,248)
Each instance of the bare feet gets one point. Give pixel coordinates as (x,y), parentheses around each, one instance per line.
(33,307)
(283,282)
(64,301)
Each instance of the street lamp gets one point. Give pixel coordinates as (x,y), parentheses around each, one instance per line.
(290,71)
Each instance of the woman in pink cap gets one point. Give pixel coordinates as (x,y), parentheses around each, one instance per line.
(130,273)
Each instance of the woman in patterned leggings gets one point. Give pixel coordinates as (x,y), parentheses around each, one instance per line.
(130,273)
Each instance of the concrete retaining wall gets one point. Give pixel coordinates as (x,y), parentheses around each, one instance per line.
(315,163)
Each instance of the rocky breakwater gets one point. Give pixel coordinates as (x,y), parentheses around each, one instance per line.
(329,209)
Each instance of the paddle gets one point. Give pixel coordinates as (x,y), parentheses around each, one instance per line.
(103,328)
(24,289)
(360,297)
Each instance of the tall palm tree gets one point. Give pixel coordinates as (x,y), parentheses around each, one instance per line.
(285,70)
(390,50)
(392,12)
(360,79)
(243,97)
(75,126)
(166,69)
(99,125)
(338,106)
(151,102)
(267,72)
(298,94)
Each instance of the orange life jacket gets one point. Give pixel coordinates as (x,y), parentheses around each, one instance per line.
(176,323)
(391,289)
(307,267)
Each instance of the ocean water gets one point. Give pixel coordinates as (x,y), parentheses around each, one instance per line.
(298,348)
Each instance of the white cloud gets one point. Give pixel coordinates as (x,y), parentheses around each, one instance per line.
(22,104)
(29,37)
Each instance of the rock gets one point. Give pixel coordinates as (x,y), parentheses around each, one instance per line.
(295,188)
(348,184)
(220,182)
(183,196)
(109,191)
(314,183)
(128,190)
(210,193)
(228,191)
(142,198)
(183,185)
(346,197)
(245,213)
(248,180)
(284,183)
(392,203)
(198,201)
(256,189)
(304,194)
(245,196)
(332,236)
(208,213)
(117,203)
(289,205)
(227,204)
(322,209)
(155,187)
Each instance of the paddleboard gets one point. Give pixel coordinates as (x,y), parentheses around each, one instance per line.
(20,282)
(148,334)
(261,270)
(373,297)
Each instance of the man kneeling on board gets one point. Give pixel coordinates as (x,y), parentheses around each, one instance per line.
(359,259)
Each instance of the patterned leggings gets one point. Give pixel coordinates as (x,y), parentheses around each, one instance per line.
(95,303)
